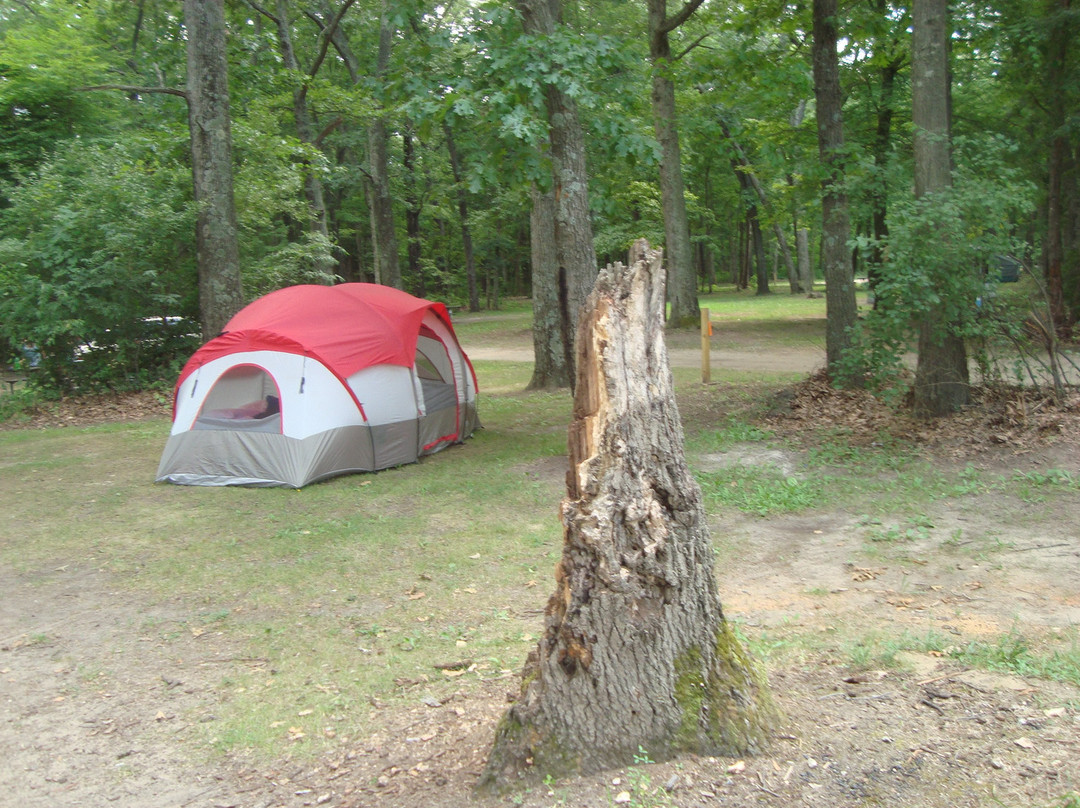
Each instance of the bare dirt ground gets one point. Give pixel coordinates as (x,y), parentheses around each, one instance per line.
(927,732)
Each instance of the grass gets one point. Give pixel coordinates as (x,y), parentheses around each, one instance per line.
(353,590)
(1056,658)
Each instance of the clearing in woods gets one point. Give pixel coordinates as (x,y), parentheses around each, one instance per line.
(911,591)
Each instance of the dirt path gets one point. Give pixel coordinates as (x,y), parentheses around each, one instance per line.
(788,361)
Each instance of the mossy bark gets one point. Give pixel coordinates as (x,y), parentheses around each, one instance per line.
(636,654)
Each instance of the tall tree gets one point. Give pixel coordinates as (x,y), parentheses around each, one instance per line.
(574,248)
(840,306)
(302,115)
(552,363)
(220,291)
(463,216)
(380,198)
(941,375)
(677,247)
(1063,27)
(636,653)
(749,181)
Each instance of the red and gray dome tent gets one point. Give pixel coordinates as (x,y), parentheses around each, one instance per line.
(309,382)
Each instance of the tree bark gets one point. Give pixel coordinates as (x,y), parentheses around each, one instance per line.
(841,310)
(636,653)
(806,271)
(383,232)
(413,208)
(217,245)
(741,163)
(882,139)
(552,365)
(463,215)
(941,374)
(1057,60)
(574,248)
(680,261)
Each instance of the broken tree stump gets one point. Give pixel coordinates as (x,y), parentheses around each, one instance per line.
(636,655)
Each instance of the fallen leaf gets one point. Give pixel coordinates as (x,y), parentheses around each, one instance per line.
(865,574)
(305,712)
(736,767)
(414,595)
(458,672)
(1055,712)
(475,556)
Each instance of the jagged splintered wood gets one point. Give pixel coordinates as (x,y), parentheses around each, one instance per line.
(636,654)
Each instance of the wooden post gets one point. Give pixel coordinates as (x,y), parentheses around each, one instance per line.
(706,332)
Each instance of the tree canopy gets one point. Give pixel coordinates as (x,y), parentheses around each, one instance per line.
(405,142)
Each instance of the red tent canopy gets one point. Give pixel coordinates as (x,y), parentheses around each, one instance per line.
(347,327)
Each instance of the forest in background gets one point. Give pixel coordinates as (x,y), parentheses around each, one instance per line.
(405,142)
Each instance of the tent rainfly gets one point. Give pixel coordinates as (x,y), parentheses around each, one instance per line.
(310,382)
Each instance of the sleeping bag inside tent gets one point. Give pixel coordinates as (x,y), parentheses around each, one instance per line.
(310,382)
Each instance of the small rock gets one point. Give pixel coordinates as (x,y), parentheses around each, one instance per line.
(622,798)
(672,783)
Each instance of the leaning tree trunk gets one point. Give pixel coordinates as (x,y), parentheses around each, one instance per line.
(636,654)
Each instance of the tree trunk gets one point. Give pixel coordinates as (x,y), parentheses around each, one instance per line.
(575,253)
(413,209)
(463,215)
(552,366)
(806,271)
(383,232)
(882,139)
(305,128)
(742,166)
(636,653)
(680,260)
(840,307)
(941,375)
(1057,60)
(761,266)
(217,246)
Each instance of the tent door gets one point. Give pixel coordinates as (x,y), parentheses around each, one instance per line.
(245,397)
